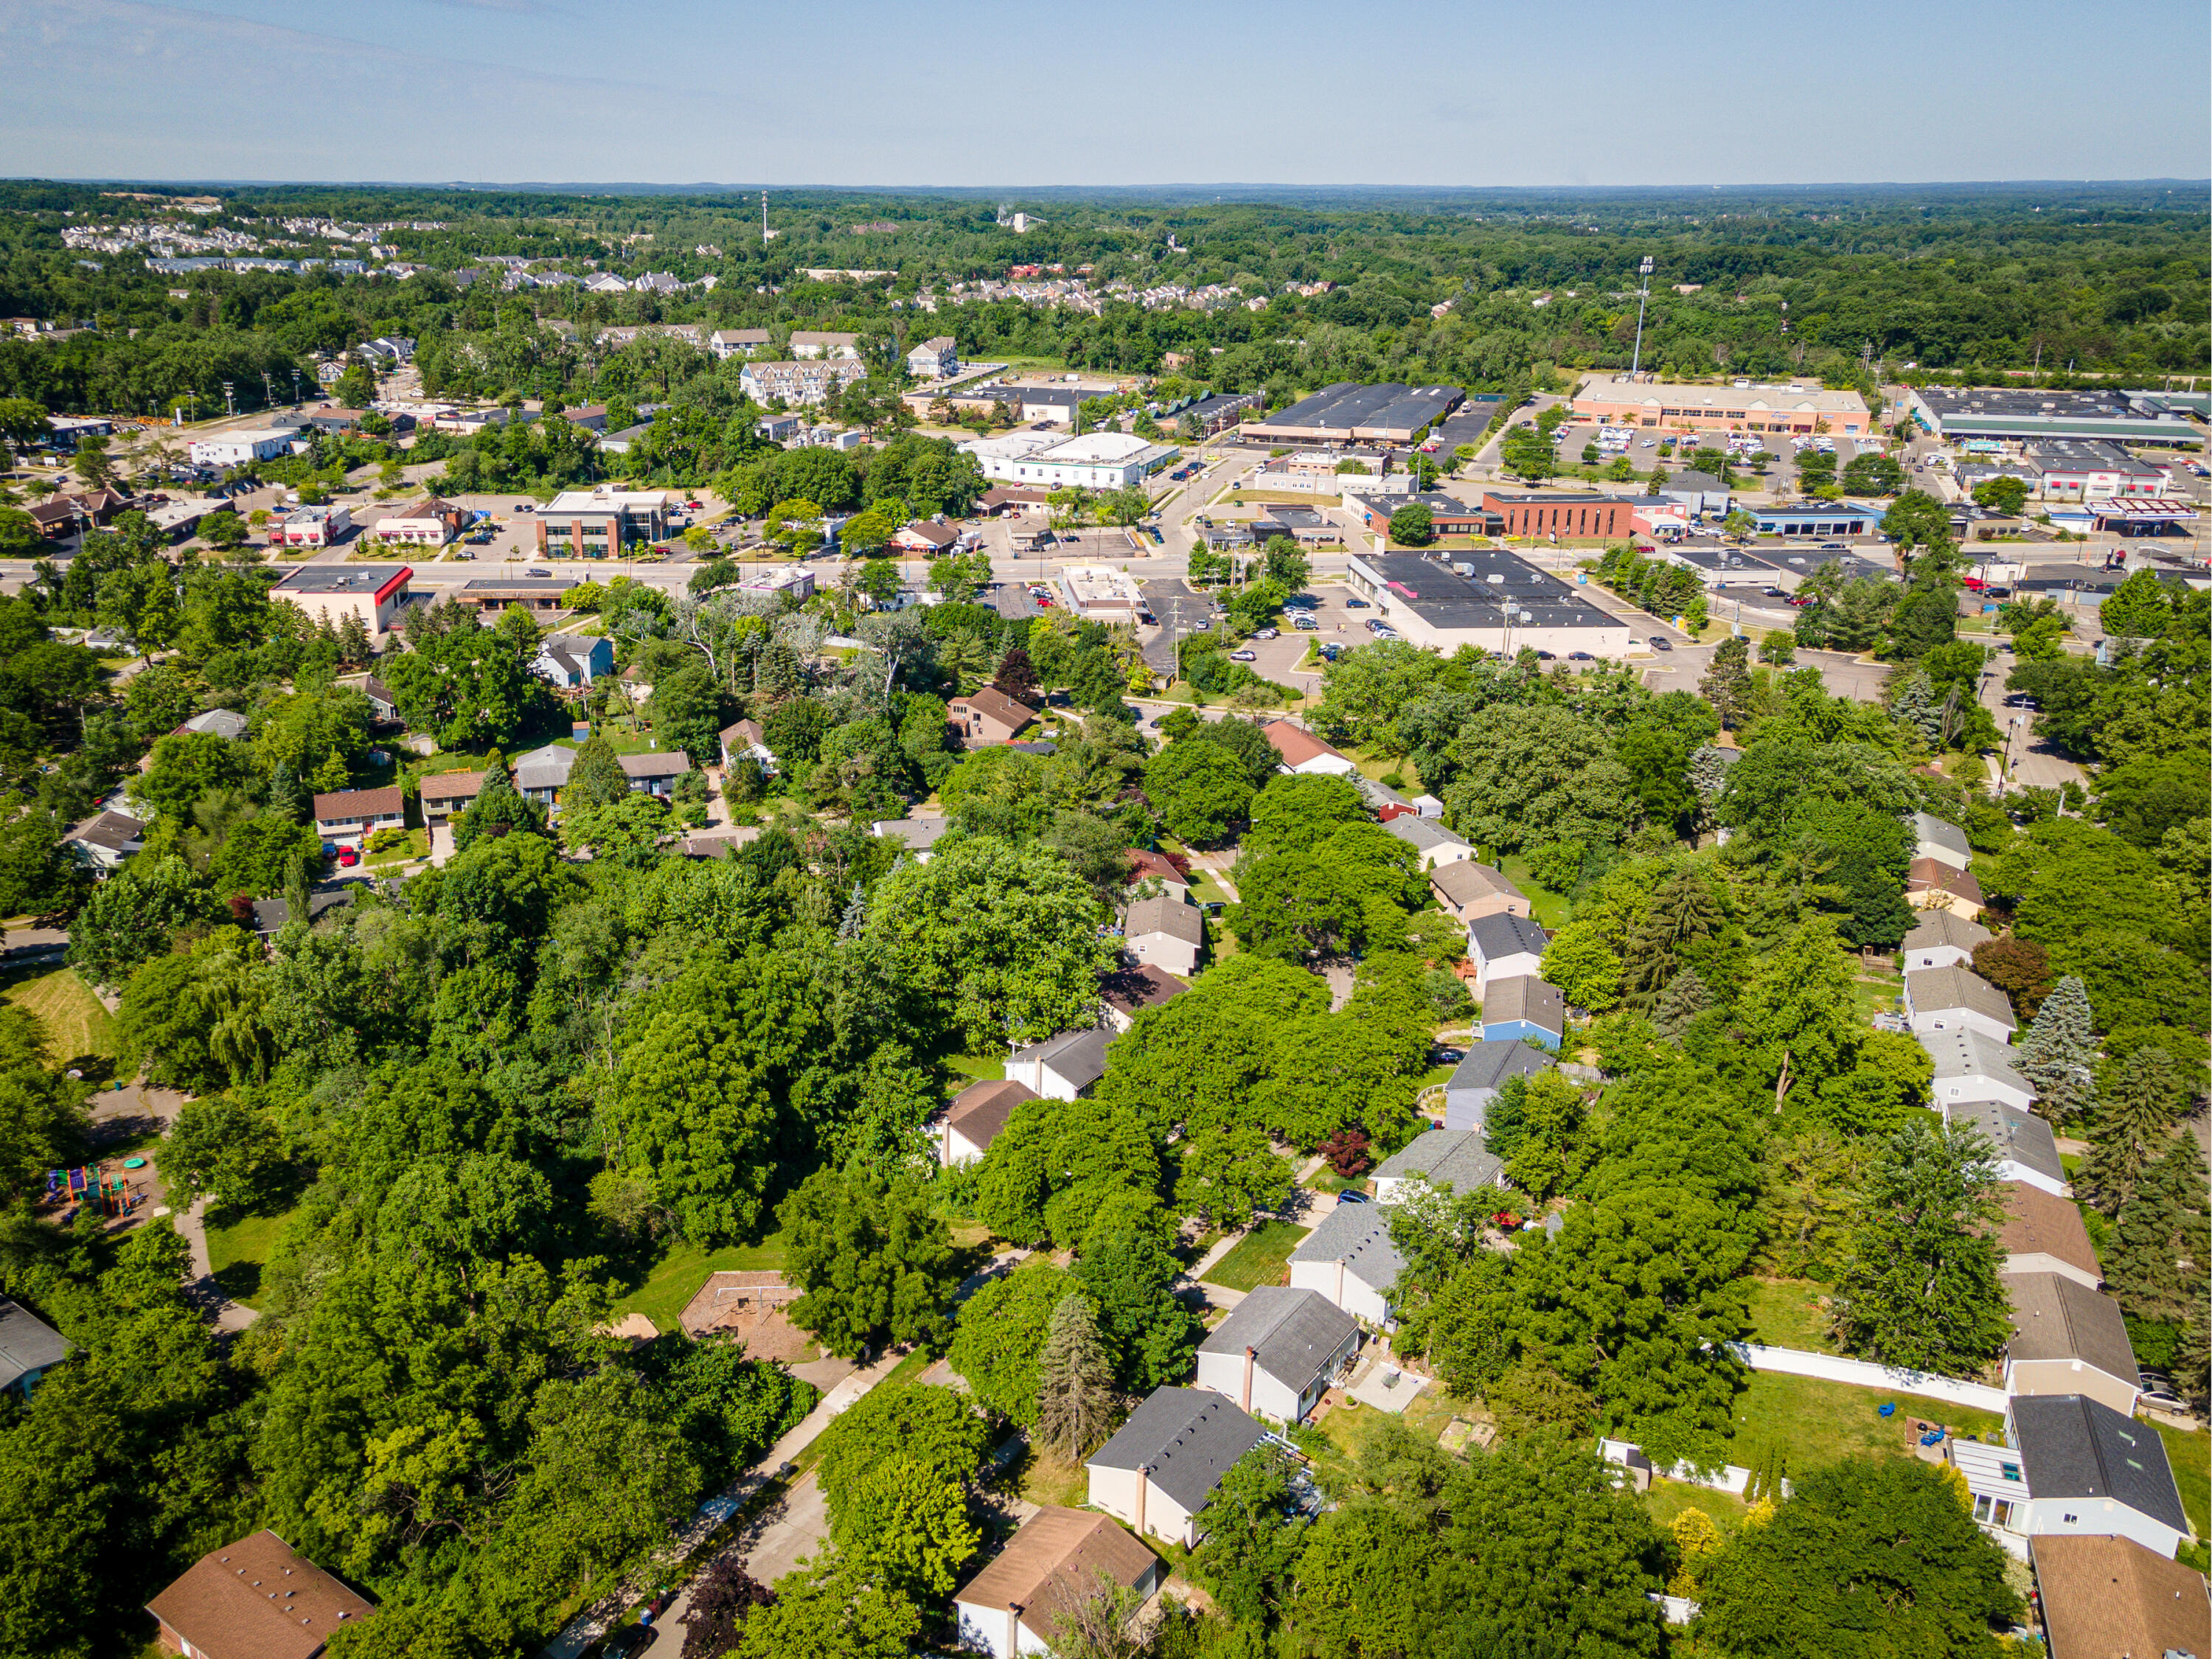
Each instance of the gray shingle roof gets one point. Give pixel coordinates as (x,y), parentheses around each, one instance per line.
(1489,1064)
(1359,1236)
(222,722)
(1422,834)
(2055,1317)
(2076,1446)
(1296,1335)
(919,835)
(2018,1137)
(1078,1056)
(1453,1158)
(28,1343)
(1492,937)
(1188,1437)
(1524,997)
(1937,927)
(1933,831)
(1935,989)
(545,768)
(1170,913)
(1962,1053)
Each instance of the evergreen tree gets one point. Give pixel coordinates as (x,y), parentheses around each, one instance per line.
(1727,684)
(354,644)
(1685,997)
(1075,1387)
(2136,1111)
(1017,676)
(2158,1266)
(287,800)
(2058,1050)
(597,779)
(498,810)
(1916,706)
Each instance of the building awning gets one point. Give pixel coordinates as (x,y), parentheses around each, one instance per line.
(2145,510)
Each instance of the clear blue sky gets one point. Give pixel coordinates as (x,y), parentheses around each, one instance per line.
(989,93)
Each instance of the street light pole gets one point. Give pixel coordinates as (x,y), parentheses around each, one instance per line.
(1642,296)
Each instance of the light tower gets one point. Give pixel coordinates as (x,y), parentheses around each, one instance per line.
(1642,296)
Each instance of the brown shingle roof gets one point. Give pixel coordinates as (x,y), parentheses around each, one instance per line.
(1156,866)
(994,704)
(452,786)
(1465,881)
(980,1110)
(258,1599)
(2055,1318)
(348,805)
(1052,1563)
(2038,1223)
(1131,989)
(1294,743)
(2105,1597)
(1928,875)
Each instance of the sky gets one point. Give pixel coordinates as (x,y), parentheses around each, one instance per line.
(987,93)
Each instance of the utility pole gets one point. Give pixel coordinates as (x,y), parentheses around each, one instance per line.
(230,402)
(1642,296)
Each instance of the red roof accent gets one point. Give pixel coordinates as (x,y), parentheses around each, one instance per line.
(398,577)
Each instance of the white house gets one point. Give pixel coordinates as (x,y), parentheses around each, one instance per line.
(745,740)
(2086,1468)
(1160,1468)
(1349,1259)
(1942,939)
(1505,947)
(974,1119)
(1957,999)
(570,660)
(1971,1066)
(1168,932)
(1443,1157)
(1299,751)
(1945,843)
(349,816)
(1430,841)
(917,835)
(1278,1351)
(814,345)
(727,343)
(1061,1067)
(240,448)
(105,841)
(1018,1603)
(934,359)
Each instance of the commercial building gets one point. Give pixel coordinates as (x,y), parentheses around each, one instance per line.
(1099,592)
(1347,412)
(1816,518)
(1740,406)
(1967,412)
(1488,598)
(493,594)
(240,448)
(1097,460)
(331,592)
(1448,515)
(430,522)
(1562,516)
(601,521)
(2094,469)
(311,527)
(793,382)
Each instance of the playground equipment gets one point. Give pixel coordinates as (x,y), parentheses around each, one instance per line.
(85,1184)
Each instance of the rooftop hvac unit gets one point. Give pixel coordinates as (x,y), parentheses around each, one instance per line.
(1498,577)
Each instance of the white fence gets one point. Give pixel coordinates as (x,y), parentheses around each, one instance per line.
(1833,1368)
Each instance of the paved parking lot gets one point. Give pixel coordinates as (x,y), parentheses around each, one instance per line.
(1781,473)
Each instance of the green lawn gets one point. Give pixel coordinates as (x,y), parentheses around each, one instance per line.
(1262,1256)
(1783,1314)
(677,1276)
(2192,1457)
(237,1252)
(1546,908)
(1818,1423)
(1873,995)
(1668,1498)
(77,1022)
(417,847)
(974,1068)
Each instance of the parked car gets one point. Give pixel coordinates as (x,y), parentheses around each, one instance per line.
(1447,1056)
(1658,643)
(1355,604)
(526,507)
(348,856)
(1353,1196)
(1377,625)
(1268,634)
(1244,656)
(1580,656)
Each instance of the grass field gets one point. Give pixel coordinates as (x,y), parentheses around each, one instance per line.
(974,1068)
(1546,908)
(237,1251)
(677,1276)
(1668,1498)
(1819,1423)
(1783,1314)
(1262,1256)
(77,1021)
(2192,1457)
(417,847)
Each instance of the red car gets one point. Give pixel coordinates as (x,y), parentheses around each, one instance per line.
(348,856)
(1799,603)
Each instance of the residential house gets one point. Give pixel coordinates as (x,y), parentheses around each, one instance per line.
(271,915)
(541,775)
(937,359)
(1435,845)
(1505,947)
(1469,890)
(256,1599)
(1932,884)
(1300,751)
(218,722)
(105,841)
(2026,1149)
(919,836)
(987,715)
(719,843)
(1149,866)
(728,343)
(430,522)
(1021,1602)
(806,344)
(2044,1234)
(972,1122)
(654,774)
(1278,1351)
(2087,1468)
(1162,1465)
(1957,999)
(1443,1157)
(446,795)
(1063,1066)
(1475,1081)
(29,1348)
(1166,932)
(1523,1006)
(1945,842)
(573,660)
(925,538)
(1940,940)
(2107,1597)
(745,740)
(1127,992)
(349,816)
(2068,1338)
(1350,1260)
(798,384)
(1971,1066)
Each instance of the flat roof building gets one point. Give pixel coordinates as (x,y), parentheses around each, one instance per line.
(1741,406)
(1488,598)
(1097,460)
(331,592)
(2031,412)
(595,523)
(1562,516)
(1347,412)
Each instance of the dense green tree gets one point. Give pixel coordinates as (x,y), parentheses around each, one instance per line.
(1249,1536)
(875,1265)
(1200,791)
(132,916)
(2057,1052)
(929,1428)
(1527,775)
(1075,1404)
(1002,1328)
(1129,1278)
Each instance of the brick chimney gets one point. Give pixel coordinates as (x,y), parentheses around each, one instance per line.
(1244,1400)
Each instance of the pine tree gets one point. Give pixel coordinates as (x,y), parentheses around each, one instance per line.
(287,800)
(498,810)
(1075,1395)
(1685,997)
(597,779)
(1727,684)
(2058,1050)
(2136,1114)
(1915,706)
(2158,1266)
